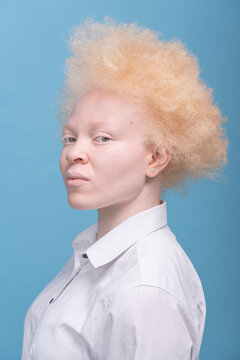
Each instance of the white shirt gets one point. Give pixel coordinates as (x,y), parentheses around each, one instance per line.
(136,297)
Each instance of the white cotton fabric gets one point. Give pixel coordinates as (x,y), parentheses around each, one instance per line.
(136,297)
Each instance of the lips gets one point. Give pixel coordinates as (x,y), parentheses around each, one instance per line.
(75,175)
(76,182)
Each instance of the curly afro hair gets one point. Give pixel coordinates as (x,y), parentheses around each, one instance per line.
(164,77)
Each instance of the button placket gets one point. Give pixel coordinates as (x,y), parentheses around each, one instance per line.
(56,297)
(77,268)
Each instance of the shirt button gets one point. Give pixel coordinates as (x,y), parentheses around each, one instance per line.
(85,255)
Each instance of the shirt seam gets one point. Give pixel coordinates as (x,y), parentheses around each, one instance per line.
(161,288)
(190,311)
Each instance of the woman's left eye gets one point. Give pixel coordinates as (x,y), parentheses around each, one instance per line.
(104,137)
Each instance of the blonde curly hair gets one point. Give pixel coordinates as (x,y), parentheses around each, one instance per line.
(163,76)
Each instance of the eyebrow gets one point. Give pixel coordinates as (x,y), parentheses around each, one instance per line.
(94,124)
(65,127)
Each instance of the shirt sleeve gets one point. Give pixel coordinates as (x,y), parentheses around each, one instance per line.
(147,323)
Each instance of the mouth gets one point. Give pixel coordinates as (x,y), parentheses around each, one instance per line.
(76,182)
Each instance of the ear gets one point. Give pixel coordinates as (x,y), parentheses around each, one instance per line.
(160,159)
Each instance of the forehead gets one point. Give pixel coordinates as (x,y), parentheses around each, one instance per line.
(101,108)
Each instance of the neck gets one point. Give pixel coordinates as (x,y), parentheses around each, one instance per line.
(111,216)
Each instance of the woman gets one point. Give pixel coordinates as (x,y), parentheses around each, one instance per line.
(136,121)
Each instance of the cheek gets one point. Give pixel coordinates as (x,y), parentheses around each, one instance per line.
(122,165)
(62,162)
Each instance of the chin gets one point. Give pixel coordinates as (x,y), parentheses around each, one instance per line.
(81,201)
(77,204)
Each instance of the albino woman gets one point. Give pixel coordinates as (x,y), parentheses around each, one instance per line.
(136,120)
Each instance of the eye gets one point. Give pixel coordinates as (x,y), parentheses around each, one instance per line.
(65,140)
(104,137)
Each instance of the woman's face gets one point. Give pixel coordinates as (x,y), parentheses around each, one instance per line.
(103,140)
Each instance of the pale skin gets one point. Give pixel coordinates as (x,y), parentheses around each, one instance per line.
(105,143)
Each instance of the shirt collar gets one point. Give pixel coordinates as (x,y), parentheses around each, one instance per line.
(121,237)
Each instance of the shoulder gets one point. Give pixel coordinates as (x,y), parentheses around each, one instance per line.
(164,264)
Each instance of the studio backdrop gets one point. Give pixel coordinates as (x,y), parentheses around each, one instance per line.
(37,223)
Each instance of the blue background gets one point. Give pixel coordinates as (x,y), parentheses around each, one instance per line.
(38,225)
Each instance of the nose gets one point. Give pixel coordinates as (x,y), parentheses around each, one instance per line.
(75,154)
